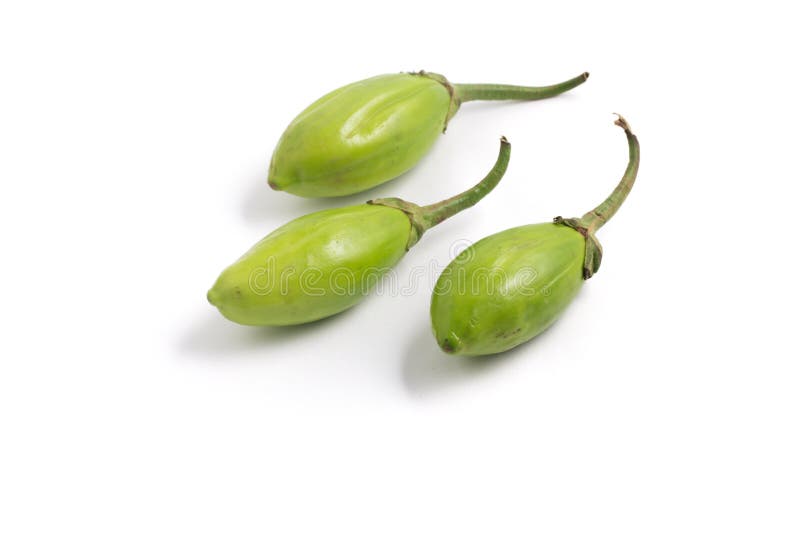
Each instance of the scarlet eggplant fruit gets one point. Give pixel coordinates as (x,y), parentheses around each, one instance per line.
(509,287)
(323,263)
(374,130)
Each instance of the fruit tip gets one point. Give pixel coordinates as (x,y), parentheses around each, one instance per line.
(450,345)
(212,297)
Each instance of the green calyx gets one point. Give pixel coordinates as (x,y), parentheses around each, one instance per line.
(423,218)
(593,251)
(465,92)
(593,220)
(414,212)
(455,101)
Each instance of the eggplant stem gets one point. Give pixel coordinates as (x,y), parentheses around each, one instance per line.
(596,218)
(466,92)
(423,218)
(433,214)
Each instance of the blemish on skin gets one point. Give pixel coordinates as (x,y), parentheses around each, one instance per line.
(506,335)
(451,344)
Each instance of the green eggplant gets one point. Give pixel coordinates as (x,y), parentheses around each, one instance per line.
(323,263)
(374,130)
(509,287)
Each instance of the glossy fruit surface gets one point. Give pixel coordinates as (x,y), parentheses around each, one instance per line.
(507,288)
(359,136)
(313,267)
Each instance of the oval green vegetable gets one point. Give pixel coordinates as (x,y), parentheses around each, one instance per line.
(371,131)
(509,287)
(326,262)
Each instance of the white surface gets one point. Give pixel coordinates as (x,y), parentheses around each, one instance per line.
(134,142)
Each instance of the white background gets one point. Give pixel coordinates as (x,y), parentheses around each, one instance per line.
(134,144)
